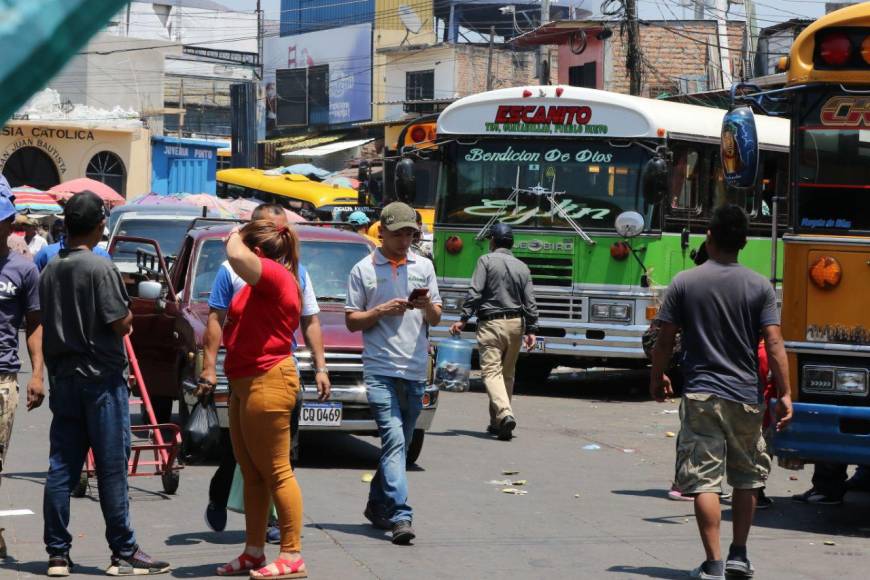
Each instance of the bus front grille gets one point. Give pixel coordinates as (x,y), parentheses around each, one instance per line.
(550,271)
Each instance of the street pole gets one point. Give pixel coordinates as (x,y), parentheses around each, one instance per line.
(722,38)
(489,59)
(633,59)
(752,26)
(543,51)
(260,40)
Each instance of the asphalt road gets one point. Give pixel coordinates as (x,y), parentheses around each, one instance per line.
(593,513)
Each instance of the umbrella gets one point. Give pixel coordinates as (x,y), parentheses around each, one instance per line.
(243,207)
(107,194)
(215,205)
(31,200)
(157,199)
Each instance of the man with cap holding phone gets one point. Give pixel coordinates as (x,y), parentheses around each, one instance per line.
(392,297)
(503,298)
(19,301)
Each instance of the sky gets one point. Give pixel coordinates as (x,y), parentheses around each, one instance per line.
(768,12)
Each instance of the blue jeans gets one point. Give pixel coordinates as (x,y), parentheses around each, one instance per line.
(95,414)
(395,405)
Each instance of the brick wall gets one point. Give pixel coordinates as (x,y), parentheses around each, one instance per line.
(509,68)
(672,51)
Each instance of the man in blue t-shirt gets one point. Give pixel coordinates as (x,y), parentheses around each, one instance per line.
(226,284)
(19,302)
(50,251)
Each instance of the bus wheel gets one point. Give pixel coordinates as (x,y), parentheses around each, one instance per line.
(415,447)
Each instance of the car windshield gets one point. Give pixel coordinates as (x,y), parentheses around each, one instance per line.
(168,233)
(594,182)
(328,265)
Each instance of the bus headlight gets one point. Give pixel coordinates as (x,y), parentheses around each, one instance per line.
(852,381)
(611,312)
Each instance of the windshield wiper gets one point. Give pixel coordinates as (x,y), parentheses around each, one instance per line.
(538,191)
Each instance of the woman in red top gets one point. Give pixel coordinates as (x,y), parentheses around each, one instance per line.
(264,385)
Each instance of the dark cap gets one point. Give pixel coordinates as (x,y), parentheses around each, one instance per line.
(398,215)
(501,233)
(83,212)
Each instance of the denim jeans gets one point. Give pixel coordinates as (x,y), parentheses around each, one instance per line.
(395,405)
(95,414)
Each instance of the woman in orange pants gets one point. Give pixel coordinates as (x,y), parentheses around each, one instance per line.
(264,385)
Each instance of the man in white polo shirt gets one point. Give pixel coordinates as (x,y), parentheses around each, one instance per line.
(393,298)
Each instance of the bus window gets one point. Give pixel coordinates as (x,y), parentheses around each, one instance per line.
(685,178)
(773,181)
(232,190)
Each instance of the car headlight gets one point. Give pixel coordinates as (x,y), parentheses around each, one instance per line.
(611,312)
(851,381)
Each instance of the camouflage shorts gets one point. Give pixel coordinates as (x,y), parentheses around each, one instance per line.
(719,437)
(8,404)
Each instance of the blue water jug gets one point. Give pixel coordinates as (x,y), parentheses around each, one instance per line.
(453,364)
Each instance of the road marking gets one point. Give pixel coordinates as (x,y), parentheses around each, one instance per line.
(23,512)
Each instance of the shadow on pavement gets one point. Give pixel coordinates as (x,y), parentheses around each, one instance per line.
(658,492)
(39,568)
(338,450)
(365,530)
(201,571)
(649,571)
(598,384)
(36,477)
(461,433)
(206,537)
(849,519)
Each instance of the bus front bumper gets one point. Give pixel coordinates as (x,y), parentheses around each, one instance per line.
(579,340)
(824,433)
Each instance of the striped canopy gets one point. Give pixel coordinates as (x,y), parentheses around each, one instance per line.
(31,200)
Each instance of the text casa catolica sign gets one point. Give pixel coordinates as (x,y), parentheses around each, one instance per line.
(549,119)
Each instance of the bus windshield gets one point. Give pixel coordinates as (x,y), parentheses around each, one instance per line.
(833,163)
(594,182)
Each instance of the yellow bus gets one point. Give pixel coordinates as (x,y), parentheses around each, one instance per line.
(312,200)
(826,274)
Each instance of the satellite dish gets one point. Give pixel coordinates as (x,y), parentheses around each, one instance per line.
(409,19)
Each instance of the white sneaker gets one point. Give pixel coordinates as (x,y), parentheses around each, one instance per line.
(699,573)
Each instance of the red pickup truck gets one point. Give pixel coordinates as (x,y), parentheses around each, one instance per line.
(168,331)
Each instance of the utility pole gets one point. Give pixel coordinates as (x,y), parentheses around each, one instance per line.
(634,55)
(722,41)
(489,59)
(543,51)
(259,71)
(752,37)
(699,9)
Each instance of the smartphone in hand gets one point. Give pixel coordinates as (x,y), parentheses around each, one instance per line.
(417,293)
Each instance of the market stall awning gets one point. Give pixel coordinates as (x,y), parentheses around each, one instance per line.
(328,149)
(31,200)
(69,188)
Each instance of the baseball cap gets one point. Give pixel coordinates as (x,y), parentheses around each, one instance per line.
(83,212)
(398,215)
(500,232)
(358,218)
(7,208)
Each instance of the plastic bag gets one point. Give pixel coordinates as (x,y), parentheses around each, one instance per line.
(202,432)
(236,500)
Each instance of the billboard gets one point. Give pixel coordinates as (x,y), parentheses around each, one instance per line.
(342,55)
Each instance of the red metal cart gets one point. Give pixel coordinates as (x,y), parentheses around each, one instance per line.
(148,438)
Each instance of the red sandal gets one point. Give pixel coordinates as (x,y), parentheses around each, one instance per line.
(246,564)
(286,569)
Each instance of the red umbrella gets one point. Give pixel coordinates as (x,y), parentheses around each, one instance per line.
(66,190)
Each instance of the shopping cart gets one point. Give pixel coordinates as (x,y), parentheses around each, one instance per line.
(158,442)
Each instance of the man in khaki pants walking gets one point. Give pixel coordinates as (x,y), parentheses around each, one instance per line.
(502,297)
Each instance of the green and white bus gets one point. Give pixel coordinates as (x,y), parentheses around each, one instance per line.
(560,164)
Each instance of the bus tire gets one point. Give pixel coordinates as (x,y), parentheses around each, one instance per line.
(530,372)
(416,447)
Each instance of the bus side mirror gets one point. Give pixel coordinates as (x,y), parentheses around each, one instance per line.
(655,180)
(406,184)
(629,224)
(739,148)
